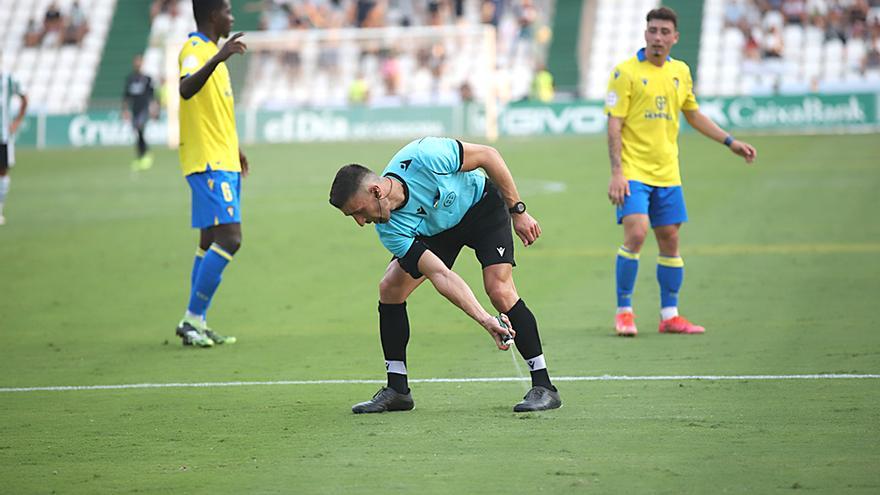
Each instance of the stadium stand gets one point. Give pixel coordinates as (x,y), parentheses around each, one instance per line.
(751,47)
(322,74)
(53,48)
(617,34)
(127,37)
(72,55)
(789,47)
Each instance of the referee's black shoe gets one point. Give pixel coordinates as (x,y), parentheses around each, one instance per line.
(539,399)
(386,399)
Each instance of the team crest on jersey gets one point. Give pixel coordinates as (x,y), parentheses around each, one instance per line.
(661,104)
(675,82)
(450,198)
(644,81)
(660,101)
(616,74)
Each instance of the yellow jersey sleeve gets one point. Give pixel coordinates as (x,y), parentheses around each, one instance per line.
(193,56)
(619,91)
(690,100)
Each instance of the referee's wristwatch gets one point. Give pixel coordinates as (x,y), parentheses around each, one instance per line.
(519,207)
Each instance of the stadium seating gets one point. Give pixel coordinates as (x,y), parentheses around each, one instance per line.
(166,26)
(617,35)
(57,78)
(273,82)
(809,61)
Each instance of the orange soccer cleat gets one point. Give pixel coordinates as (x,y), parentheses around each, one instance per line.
(625,324)
(679,324)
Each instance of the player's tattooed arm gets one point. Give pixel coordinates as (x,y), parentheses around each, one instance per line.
(618,187)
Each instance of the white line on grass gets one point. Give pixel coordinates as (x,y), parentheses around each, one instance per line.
(602,378)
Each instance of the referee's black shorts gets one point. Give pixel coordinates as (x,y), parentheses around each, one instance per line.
(485,228)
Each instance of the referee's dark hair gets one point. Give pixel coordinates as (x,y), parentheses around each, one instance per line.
(663,14)
(347,182)
(202,10)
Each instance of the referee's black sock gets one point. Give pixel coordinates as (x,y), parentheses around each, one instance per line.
(394,332)
(528,343)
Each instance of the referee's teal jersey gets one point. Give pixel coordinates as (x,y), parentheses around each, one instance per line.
(438,193)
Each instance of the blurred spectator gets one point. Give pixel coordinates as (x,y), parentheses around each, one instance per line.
(490,12)
(542,85)
(163,7)
(390,70)
(359,90)
(835,24)
(320,14)
(458,10)
(466,92)
(402,13)
(733,13)
(276,16)
(751,63)
(33,35)
(871,61)
(816,9)
(53,23)
(367,13)
(436,13)
(77,25)
(795,12)
(773,45)
(526,14)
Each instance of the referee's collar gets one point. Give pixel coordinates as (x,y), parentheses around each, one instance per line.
(202,36)
(642,57)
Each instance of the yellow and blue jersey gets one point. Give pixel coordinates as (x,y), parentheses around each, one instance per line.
(650,100)
(438,193)
(208,138)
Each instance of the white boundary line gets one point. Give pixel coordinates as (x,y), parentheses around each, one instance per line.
(601,378)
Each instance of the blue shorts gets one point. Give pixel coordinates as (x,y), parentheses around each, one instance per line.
(216,198)
(663,205)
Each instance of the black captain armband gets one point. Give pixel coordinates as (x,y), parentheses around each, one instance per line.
(728,140)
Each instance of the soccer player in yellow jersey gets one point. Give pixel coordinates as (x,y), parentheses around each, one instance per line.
(645,95)
(211,160)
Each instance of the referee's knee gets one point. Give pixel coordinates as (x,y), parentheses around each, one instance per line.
(503,296)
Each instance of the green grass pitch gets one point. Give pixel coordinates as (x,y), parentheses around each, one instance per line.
(782,267)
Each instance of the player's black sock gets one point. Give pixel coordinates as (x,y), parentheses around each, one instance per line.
(394,332)
(528,343)
(141,143)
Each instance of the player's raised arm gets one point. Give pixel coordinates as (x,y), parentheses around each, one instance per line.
(699,121)
(453,287)
(191,84)
(490,160)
